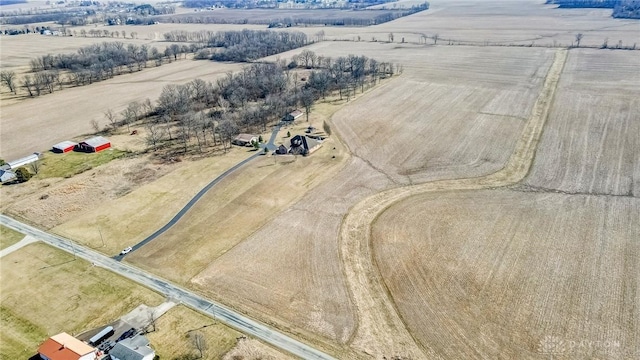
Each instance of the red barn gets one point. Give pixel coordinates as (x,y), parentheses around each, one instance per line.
(94,144)
(64,147)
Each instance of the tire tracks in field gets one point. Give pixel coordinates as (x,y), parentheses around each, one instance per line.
(381,330)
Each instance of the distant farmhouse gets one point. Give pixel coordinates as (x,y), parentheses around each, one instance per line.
(65,347)
(94,144)
(244,140)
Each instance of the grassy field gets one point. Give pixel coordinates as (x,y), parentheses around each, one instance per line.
(8,237)
(591,143)
(171,338)
(130,218)
(32,311)
(66,165)
(491,274)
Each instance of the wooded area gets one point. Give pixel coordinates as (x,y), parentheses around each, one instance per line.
(214,113)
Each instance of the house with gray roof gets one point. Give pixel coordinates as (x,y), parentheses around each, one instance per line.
(135,348)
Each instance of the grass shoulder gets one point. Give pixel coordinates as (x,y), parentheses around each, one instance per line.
(9,237)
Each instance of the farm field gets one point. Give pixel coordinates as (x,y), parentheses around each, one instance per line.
(591,142)
(454,112)
(467,223)
(508,22)
(304,292)
(493,274)
(233,210)
(70,112)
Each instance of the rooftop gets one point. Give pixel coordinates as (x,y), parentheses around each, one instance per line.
(64,347)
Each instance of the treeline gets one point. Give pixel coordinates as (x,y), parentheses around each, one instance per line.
(66,16)
(623,9)
(627,9)
(240,46)
(205,113)
(89,64)
(11,2)
(251,4)
(343,74)
(316,17)
(567,4)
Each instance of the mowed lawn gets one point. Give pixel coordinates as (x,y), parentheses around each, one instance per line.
(9,237)
(69,164)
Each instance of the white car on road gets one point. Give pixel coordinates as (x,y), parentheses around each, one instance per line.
(126,251)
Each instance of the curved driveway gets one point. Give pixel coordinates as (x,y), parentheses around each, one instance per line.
(194,200)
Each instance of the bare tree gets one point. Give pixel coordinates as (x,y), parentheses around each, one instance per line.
(155,134)
(578,38)
(151,319)
(95,126)
(390,37)
(435,38)
(306,100)
(27,83)
(199,342)
(8,78)
(111,118)
(35,167)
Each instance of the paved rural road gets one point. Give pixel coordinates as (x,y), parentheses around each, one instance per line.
(186,297)
(270,145)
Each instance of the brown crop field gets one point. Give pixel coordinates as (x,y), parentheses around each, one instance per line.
(495,274)
(27,128)
(305,290)
(481,204)
(591,144)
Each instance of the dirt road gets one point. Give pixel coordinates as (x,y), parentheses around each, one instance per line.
(380,328)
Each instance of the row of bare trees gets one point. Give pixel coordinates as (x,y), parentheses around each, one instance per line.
(241,46)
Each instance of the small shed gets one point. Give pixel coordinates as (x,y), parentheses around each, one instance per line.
(295,114)
(244,139)
(64,147)
(24,161)
(7,176)
(94,144)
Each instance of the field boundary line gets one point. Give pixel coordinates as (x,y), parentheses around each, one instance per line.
(381,329)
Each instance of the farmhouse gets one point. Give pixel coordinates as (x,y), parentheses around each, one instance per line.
(135,348)
(244,140)
(7,176)
(24,161)
(94,144)
(64,147)
(295,114)
(304,145)
(65,347)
